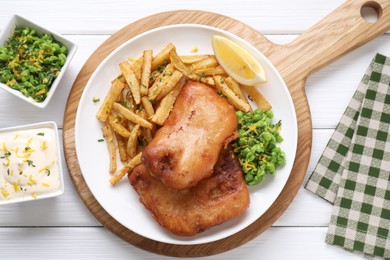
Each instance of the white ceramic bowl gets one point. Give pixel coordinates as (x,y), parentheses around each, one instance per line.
(44,131)
(17,20)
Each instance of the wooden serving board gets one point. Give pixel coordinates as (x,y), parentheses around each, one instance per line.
(338,33)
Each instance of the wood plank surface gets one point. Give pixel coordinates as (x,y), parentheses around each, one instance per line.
(99,243)
(106,17)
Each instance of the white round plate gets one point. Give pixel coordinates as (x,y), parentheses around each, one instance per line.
(121,201)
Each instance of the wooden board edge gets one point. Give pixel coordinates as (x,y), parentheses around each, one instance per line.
(252,231)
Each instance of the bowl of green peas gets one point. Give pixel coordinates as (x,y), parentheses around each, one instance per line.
(32,60)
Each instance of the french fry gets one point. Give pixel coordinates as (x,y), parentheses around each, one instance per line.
(170,84)
(127,168)
(117,127)
(131,80)
(189,59)
(153,76)
(233,85)
(106,106)
(162,56)
(160,82)
(131,116)
(208,81)
(108,134)
(128,100)
(146,136)
(209,62)
(259,99)
(148,106)
(136,67)
(130,125)
(120,78)
(121,147)
(211,71)
(234,100)
(180,66)
(146,70)
(166,105)
(132,142)
(142,113)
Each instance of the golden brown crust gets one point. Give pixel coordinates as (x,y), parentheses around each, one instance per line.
(186,148)
(186,212)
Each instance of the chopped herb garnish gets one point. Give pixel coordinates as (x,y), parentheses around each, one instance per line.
(8,171)
(47,172)
(221,94)
(41,134)
(95,100)
(6,155)
(21,172)
(161,68)
(250,98)
(128,95)
(27,148)
(100,140)
(30,163)
(201,77)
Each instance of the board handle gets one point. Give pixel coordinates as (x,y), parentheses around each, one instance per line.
(337,34)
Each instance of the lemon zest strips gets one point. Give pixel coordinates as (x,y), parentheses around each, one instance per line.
(16,187)
(32,180)
(4,193)
(44,169)
(44,145)
(26,153)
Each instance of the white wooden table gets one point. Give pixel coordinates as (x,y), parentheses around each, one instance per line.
(63,228)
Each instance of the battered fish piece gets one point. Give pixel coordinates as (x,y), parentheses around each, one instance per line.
(186,148)
(216,199)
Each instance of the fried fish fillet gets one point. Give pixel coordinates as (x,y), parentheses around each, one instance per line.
(186,212)
(186,148)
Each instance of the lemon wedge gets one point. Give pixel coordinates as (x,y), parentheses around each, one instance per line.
(238,62)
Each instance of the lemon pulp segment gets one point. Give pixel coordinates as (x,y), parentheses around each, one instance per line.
(237,62)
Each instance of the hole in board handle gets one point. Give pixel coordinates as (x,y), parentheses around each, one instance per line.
(371,11)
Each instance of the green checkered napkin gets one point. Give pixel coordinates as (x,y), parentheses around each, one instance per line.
(353,172)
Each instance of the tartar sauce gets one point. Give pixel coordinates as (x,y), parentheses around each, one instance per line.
(28,163)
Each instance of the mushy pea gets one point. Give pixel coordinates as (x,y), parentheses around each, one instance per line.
(256,146)
(30,62)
